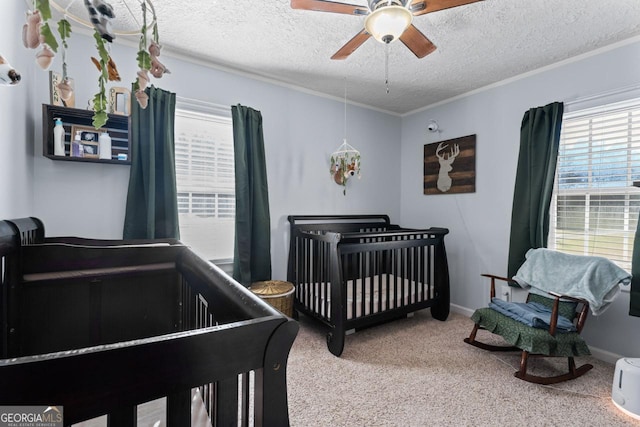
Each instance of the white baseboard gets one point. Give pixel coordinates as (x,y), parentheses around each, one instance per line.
(461,310)
(604,355)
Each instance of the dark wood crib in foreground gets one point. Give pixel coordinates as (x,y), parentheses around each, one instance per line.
(354,271)
(99,327)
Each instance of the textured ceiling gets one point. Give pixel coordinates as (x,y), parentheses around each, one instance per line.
(478,44)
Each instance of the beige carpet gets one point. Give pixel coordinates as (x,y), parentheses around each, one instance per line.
(418,372)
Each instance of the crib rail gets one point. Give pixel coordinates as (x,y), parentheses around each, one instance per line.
(113,379)
(8,274)
(399,269)
(395,273)
(241,398)
(359,277)
(29,230)
(219,338)
(340,223)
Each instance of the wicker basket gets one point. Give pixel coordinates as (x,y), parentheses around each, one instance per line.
(276,293)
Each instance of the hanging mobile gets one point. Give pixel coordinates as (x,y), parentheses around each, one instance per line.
(345,161)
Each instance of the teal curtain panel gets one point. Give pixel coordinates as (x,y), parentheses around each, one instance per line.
(252,251)
(152,204)
(539,143)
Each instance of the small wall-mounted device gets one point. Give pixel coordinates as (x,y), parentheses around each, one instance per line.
(433,126)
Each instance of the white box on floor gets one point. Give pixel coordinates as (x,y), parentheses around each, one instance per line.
(625,391)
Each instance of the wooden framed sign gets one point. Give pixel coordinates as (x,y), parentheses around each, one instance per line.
(119,101)
(450,166)
(88,139)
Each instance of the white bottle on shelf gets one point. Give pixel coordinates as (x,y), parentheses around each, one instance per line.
(76,146)
(58,138)
(104,146)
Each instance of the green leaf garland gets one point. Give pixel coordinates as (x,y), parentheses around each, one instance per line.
(144,60)
(100,99)
(45,10)
(64,29)
(49,38)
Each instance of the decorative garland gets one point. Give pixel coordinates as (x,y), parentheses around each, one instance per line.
(345,163)
(100,116)
(37,32)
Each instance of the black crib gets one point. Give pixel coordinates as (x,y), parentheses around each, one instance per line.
(353,271)
(99,327)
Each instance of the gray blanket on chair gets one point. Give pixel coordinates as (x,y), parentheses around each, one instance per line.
(531,313)
(594,279)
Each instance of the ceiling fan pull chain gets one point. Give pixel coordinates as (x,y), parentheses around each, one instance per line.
(386,66)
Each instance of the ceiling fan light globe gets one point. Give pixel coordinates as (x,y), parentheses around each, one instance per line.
(386,24)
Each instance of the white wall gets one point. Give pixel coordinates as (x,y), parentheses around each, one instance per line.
(480,222)
(16,122)
(74,198)
(300,132)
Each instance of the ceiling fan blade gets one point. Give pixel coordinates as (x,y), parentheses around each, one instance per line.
(351,45)
(434,5)
(417,42)
(329,6)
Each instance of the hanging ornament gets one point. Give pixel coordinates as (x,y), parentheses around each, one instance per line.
(8,74)
(345,161)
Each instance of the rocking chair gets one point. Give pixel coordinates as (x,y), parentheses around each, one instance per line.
(564,288)
(535,341)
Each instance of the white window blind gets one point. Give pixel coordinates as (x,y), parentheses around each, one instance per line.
(205,182)
(595,206)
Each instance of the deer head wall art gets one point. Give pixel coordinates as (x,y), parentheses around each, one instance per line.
(445,160)
(450,166)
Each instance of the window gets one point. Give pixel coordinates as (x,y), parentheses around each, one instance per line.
(595,206)
(206,182)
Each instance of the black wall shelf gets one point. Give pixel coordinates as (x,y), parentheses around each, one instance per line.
(117,125)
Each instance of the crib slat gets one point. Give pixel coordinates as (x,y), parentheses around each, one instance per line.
(421,285)
(179,409)
(380,278)
(397,273)
(414,282)
(309,273)
(304,272)
(126,416)
(369,278)
(226,402)
(391,268)
(430,273)
(244,400)
(325,281)
(315,278)
(350,261)
(406,273)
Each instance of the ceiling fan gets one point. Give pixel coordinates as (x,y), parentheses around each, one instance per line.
(386,20)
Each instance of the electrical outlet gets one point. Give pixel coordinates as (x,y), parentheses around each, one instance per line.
(505,293)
